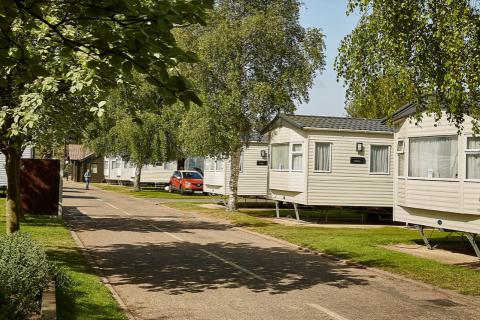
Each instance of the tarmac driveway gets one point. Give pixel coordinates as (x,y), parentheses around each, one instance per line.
(168,264)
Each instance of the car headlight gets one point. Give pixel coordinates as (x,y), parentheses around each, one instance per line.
(188,183)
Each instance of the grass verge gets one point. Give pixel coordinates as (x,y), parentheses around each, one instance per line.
(85,297)
(359,245)
(147,192)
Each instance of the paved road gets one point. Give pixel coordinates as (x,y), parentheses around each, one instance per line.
(167,264)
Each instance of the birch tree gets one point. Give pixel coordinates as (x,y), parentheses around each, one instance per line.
(256,61)
(53,51)
(136,126)
(430,46)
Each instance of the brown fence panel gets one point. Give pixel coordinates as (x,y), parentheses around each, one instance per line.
(40,183)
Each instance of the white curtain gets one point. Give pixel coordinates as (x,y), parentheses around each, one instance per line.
(280,156)
(473,159)
(322,156)
(433,157)
(209,164)
(401,164)
(241,160)
(219,165)
(297,160)
(172,165)
(379,159)
(297,156)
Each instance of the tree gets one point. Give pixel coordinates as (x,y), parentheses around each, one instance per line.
(256,61)
(431,47)
(53,53)
(381,100)
(136,126)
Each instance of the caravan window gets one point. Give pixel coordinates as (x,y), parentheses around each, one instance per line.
(114,164)
(473,158)
(209,164)
(172,165)
(280,156)
(297,156)
(401,164)
(323,157)
(401,158)
(219,165)
(379,159)
(241,160)
(433,157)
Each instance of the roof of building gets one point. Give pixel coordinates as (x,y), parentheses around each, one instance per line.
(405,111)
(334,123)
(78,152)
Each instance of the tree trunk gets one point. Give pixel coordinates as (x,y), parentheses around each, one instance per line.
(232,204)
(138,176)
(13,204)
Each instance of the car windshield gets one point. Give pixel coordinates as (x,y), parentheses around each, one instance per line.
(192,175)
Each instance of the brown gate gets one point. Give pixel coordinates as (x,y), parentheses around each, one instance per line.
(39,184)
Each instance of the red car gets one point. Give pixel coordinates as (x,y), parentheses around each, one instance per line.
(185,181)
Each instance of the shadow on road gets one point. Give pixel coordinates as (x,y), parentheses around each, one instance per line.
(84,222)
(182,267)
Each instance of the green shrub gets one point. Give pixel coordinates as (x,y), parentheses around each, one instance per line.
(24,273)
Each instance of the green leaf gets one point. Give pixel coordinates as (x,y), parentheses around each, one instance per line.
(127,67)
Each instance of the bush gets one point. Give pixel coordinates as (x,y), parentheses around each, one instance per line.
(24,273)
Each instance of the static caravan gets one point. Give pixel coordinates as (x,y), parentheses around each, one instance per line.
(437,174)
(27,154)
(330,161)
(121,171)
(252,181)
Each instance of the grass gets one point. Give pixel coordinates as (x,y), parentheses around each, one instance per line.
(85,297)
(147,192)
(363,246)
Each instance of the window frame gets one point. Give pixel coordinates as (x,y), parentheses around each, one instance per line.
(242,158)
(370,160)
(470,152)
(330,144)
(434,179)
(402,150)
(399,153)
(217,161)
(295,153)
(166,164)
(287,169)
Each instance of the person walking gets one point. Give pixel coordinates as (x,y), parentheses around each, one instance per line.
(87,177)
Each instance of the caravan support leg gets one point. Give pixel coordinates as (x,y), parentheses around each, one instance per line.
(471,238)
(296,211)
(277,209)
(427,243)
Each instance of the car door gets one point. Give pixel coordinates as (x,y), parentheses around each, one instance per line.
(174,181)
(179,179)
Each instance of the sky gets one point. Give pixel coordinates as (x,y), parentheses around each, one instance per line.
(327,96)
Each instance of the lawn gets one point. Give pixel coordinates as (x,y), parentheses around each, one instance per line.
(147,192)
(360,245)
(85,297)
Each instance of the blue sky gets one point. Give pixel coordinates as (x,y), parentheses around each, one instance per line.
(327,97)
